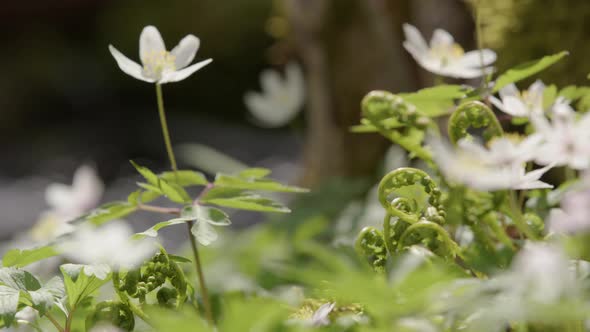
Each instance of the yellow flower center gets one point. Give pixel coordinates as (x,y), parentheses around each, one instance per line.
(447,53)
(155,63)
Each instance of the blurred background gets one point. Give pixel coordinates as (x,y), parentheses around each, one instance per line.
(64,102)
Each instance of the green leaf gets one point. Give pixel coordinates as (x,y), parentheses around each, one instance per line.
(21,258)
(109,211)
(150,176)
(153,231)
(18,279)
(206,214)
(549,95)
(179,259)
(254,173)
(204,233)
(438,100)
(139,196)
(527,69)
(237,182)
(185,178)
(364,128)
(82,281)
(174,192)
(9,299)
(44,298)
(245,201)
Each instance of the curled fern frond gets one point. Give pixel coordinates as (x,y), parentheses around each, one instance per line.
(474,115)
(371,245)
(397,120)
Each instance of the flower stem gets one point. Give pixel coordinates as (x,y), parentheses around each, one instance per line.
(518,218)
(166,134)
(204,292)
(54,322)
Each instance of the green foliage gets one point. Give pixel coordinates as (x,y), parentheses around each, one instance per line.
(19,288)
(473,115)
(527,69)
(438,100)
(81,281)
(242,200)
(21,258)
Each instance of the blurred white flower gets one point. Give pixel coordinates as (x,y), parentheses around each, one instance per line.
(561,107)
(566,141)
(445,57)
(320,316)
(486,171)
(84,194)
(502,151)
(574,215)
(66,202)
(107,244)
(280,100)
(520,104)
(159,65)
(541,272)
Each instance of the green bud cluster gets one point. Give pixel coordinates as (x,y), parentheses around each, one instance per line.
(112,312)
(153,275)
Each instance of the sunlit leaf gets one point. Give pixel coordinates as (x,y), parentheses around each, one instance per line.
(185,178)
(21,258)
(527,69)
(436,101)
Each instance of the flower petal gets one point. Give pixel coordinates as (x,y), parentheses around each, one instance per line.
(474,58)
(179,75)
(515,107)
(128,66)
(271,82)
(87,187)
(185,51)
(59,196)
(509,90)
(460,71)
(150,43)
(267,113)
(441,38)
(414,39)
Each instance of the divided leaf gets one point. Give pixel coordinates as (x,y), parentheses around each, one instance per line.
(185,178)
(438,100)
(83,280)
(253,179)
(109,211)
(527,69)
(242,200)
(21,258)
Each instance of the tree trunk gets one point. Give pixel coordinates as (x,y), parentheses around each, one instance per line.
(348,47)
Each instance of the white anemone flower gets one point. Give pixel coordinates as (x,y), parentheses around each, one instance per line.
(541,273)
(70,201)
(66,202)
(281,98)
(503,151)
(159,65)
(574,215)
(520,104)
(566,141)
(109,244)
(445,57)
(320,316)
(470,169)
